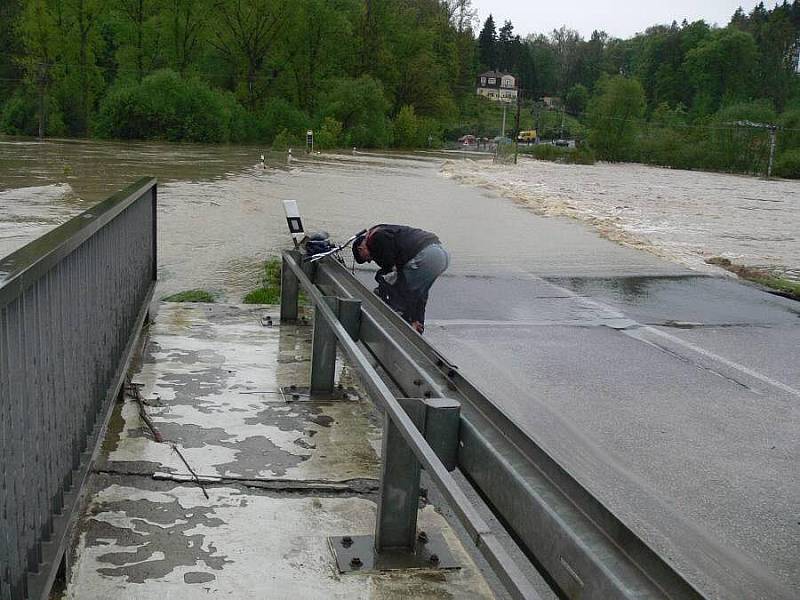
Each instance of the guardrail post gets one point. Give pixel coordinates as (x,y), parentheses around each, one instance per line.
(396,525)
(350,316)
(442,420)
(323,351)
(289,289)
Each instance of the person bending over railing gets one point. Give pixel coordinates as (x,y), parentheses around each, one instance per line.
(410,260)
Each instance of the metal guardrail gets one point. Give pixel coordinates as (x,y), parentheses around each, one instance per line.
(581,548)
(72,303)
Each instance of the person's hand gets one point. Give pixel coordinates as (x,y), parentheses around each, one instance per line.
(418,327)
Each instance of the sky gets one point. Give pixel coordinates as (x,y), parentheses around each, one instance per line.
(622,19)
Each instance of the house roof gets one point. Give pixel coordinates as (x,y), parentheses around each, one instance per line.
(495,74)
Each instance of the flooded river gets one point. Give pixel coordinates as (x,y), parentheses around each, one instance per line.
(684,216)
(221,212)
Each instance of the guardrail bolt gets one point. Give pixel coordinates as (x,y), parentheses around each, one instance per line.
(434,559)
(347,541)
(451,373)
(427,394)
(422,537)
(355,562)
(417,382)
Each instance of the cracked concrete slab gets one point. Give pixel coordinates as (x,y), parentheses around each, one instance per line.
(158,541)
(211,384)
(280,477)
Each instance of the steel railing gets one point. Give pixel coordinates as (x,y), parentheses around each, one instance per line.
(72,304)
(582,548)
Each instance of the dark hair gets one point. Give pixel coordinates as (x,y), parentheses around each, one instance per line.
(356,254)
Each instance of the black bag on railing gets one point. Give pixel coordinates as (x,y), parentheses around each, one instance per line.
(318,242)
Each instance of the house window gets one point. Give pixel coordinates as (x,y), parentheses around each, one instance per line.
(483,80)
(492,80)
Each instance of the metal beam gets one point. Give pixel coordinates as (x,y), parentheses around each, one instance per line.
(582,547)
(517,584)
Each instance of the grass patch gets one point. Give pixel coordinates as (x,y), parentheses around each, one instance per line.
(190,296)
(263,296)
(270,290)
(785,287)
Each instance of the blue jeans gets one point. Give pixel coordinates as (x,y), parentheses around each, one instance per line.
(419,273)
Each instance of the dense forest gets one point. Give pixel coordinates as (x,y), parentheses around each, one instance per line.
(379,73)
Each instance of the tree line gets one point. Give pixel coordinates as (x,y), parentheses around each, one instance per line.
(397,73)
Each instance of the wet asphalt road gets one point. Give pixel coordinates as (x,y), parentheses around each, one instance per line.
(674,399)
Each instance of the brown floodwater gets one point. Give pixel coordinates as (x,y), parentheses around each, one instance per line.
(221,215)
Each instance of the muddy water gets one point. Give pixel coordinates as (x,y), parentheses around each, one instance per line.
(683,216)
(220,210)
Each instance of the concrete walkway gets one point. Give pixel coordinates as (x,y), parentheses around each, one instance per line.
(281,474)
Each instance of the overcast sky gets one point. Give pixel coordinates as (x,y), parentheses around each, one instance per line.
(623,18)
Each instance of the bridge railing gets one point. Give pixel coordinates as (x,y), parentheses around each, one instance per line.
(72,303)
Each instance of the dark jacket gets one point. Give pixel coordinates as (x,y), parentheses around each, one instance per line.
(393,246)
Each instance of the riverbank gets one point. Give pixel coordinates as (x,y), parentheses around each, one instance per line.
(684,216)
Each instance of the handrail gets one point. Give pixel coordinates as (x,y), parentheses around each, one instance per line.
(22,267)
(72,303)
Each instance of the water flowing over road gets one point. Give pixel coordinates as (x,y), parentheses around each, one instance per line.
(684,216)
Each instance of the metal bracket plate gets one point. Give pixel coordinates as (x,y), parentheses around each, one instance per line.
(357,553)
(300,393)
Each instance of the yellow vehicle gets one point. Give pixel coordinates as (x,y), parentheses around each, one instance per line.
(527,137)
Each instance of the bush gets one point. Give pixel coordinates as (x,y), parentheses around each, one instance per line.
(788,165)
(406,128)
(329,134)
(20,116)
(166,106)
(285,140)
(741,149)
(360,106)
(279,115)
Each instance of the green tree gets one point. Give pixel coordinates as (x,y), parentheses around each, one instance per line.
(360,106)
(249,34)
(406,128)
(721,69)
(614,117)
(321,46)
(10,71)
(140,45)
(487,44)
(735,145)
(42,45)
(83,80)
(186,26)
(576,99)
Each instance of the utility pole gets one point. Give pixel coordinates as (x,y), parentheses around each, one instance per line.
(516,124)
(503,130)
(772,135)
